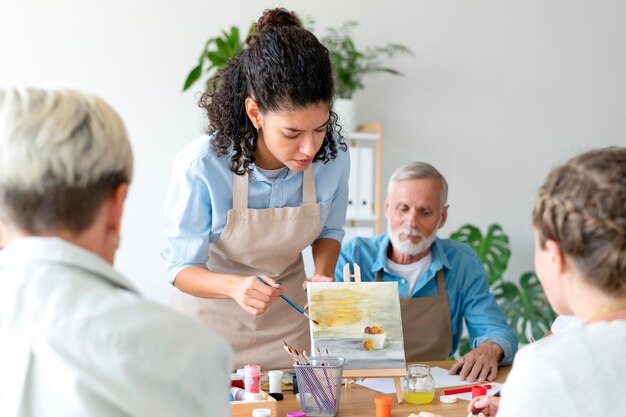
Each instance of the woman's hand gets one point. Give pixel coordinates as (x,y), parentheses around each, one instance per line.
(254,296)
(484,406)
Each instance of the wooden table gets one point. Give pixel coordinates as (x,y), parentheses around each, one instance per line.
(359,401)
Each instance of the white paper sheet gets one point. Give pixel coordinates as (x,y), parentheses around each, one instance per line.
(384,385)
(442,380)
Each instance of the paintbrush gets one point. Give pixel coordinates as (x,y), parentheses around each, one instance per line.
(290,352)
(291,303)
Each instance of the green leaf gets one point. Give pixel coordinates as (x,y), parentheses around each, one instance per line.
(464,346)
(193,76)
(217,52)
(492,249)
(526,307)
(351,64)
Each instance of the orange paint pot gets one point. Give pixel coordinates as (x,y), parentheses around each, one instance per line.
(383,406)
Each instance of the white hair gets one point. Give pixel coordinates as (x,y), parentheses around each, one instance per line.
(414,170)
(61,137)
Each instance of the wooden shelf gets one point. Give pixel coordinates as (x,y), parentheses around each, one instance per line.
(367,135)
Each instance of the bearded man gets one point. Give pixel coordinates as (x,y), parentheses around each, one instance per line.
(441,282)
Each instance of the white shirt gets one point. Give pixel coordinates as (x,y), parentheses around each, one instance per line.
(411,272)
(580,372)
(561,323)
(77,340)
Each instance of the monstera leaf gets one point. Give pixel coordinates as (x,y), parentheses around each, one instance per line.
(492,249)
(526,308)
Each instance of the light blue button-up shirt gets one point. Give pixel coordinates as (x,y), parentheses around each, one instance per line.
(466,287)
(201,193)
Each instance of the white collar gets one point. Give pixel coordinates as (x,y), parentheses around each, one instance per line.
(37,249)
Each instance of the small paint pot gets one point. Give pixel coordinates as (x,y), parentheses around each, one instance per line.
(478,390)
(383,406)
(236,380)
(448,399)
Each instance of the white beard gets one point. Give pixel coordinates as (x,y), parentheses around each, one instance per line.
(407,247)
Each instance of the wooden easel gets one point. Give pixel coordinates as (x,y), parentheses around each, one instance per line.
(396,374)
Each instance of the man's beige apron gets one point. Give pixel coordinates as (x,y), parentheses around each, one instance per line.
(426,325)
(261,242)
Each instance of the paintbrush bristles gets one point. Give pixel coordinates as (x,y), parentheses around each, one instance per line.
(302,358)
(288,349)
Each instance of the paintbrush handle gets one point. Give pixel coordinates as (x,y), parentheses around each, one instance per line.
(291,303)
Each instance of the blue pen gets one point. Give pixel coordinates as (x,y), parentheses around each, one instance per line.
(291,303)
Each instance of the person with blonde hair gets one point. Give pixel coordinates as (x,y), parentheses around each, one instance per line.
(76,339)
(579,223)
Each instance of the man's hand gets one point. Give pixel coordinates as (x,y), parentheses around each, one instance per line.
(318,278)
(479,365)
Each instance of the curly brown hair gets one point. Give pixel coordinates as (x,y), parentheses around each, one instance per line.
(283,67)
(582,207)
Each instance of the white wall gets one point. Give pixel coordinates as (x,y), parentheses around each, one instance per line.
(496,94)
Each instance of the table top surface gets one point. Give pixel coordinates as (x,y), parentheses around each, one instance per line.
(359,401)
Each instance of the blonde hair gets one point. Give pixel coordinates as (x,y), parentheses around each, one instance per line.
(582,207)
(61,153)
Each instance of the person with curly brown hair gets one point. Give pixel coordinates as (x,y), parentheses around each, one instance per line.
(579,223)
(269,179)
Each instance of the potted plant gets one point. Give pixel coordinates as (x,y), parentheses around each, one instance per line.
(216,53)
(524,305)
(351,65)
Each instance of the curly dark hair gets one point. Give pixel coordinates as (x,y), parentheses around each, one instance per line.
(284,67)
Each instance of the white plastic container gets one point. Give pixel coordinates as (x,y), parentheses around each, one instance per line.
(261,412)
(276,382)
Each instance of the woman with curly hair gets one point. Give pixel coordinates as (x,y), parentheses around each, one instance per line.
(579,223)
(269,179)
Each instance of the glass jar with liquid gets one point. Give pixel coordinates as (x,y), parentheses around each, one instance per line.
(419,385)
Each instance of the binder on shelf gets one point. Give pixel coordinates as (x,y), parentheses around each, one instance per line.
(365,182)
(353,184)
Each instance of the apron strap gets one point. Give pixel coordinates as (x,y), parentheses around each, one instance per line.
(308,186)
(240,191)
(441,283)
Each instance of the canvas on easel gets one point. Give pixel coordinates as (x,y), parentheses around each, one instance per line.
(361,322)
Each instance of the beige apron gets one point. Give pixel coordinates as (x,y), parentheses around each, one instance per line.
(261,242)
(426,325)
